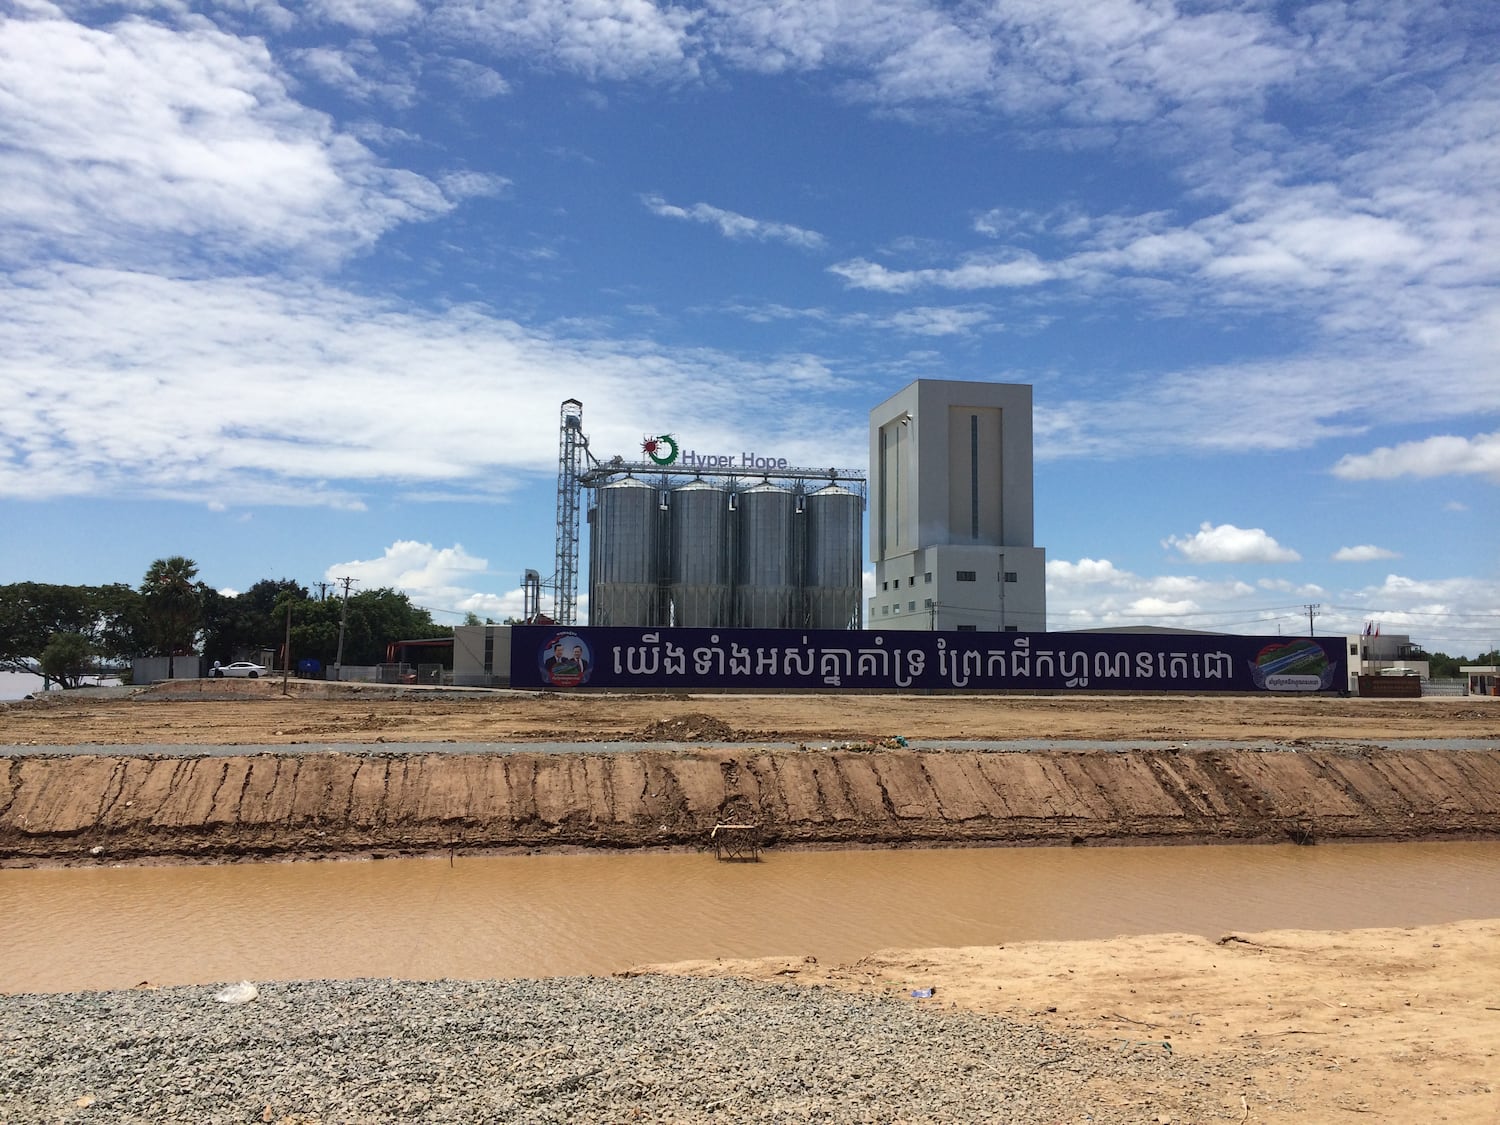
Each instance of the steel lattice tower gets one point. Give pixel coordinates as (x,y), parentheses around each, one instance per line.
(572,446)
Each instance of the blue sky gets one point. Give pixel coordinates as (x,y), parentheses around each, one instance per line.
(296,290)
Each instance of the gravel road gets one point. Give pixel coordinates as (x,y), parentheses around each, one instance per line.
(648,1048)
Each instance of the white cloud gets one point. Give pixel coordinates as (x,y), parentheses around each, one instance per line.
(474,79)
(471,185)
(1455,615)
(1287,586)
(414,567)
(1444,455)
(158,143)
(1365,552)
(255,392)
(371,17)
(596,38)
(1086,572)
(440,579)
(1095,593)
(1094,62)
(733,225)
(1017,270)
(1226,543)
(937,321)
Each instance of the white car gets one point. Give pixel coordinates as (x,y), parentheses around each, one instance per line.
(240,668)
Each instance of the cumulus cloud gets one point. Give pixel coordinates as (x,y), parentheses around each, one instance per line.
(1365,552)
(1097,593)
(1226,543)
(1444,455)
(733,225)
(448,581)
(1448,614)
(1086,572)
(409,565)
(1454,615)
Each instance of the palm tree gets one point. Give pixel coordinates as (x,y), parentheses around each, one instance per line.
(174,605)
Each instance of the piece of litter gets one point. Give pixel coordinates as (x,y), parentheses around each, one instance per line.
(923,993)
(241,993)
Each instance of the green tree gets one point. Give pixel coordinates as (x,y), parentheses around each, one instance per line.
(174,606)
(110,618)
(67,658)
(236,626)
(377,618)
(1442,666)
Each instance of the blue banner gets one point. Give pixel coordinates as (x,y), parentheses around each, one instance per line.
(550,656)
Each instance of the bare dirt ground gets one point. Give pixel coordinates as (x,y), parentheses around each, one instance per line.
(1390,1026)
(1370,1026)
(225,713)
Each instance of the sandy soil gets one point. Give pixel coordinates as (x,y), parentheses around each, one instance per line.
(223,713)
(1393,1026)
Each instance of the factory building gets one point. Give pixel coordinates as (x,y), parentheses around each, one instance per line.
(951,528)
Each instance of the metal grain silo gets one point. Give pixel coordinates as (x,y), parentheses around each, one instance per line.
(765,556)
(700,562)
(625,555)
(835,558)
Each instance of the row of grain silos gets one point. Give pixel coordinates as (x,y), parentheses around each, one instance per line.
(710,554)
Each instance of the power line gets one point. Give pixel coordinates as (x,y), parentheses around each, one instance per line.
(1418,612)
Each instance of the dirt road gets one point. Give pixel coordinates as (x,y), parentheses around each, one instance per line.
(210,712)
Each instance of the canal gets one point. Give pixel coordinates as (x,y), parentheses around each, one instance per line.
(544,915)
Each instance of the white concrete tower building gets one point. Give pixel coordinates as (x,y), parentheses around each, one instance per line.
(951,510)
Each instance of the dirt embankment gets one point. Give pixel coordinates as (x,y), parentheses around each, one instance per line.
(107,808)
(395,798)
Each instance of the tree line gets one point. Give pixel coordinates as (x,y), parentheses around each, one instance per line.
(71,632)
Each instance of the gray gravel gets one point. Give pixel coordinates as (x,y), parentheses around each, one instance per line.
(651,1049)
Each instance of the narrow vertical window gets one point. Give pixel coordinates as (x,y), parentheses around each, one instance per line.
(974,476)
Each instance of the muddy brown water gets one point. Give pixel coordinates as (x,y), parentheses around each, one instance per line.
(546,915)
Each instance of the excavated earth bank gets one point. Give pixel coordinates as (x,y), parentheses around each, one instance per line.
(105,808)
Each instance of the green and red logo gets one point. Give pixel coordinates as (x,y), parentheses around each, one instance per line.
(662,449)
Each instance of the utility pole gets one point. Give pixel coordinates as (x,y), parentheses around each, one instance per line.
(338,660)
(323,588)
(286,651)
(1312,611)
